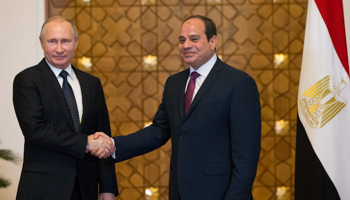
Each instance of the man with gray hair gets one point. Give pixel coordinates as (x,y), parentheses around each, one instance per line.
(58,108)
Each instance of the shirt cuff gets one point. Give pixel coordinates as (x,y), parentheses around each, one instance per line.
(113,154)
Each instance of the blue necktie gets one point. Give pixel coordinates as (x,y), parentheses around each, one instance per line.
(68,93)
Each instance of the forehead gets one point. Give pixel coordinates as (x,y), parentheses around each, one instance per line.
(193,26)
(58,28)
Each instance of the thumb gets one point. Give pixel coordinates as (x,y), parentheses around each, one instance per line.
(96,135)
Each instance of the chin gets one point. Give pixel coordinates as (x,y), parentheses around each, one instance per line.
(60,62)
(189,59)
(60,65)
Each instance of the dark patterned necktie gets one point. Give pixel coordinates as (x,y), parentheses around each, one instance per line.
(189,92)
(68,93)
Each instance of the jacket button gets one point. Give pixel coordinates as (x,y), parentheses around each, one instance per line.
(182,135)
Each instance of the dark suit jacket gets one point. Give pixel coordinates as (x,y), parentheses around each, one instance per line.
(53,152)
(216,147)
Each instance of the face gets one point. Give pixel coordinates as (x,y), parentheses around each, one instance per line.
(58,43)
(194,46)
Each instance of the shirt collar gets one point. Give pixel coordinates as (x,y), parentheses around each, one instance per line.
(57,71)
(206,67)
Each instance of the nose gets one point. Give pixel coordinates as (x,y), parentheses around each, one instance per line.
(59,48)
(187,44)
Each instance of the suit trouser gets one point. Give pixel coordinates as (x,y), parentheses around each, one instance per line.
(76,192)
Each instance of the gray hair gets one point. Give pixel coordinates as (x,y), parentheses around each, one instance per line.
(60,19)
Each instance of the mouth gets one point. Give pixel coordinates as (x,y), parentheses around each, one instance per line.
(188,54)
(59,57)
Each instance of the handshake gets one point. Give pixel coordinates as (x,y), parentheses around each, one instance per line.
(100,145)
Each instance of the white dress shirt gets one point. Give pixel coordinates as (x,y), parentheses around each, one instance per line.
(203,71)
(73,82)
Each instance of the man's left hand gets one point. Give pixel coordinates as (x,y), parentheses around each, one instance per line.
(106,196)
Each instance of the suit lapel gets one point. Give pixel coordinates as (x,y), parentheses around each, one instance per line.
(84,87)
(51,81)
(213,75)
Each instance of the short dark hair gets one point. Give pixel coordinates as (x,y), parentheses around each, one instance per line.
(210,27)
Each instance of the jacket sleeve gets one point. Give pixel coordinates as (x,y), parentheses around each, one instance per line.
(107,175)
(38,130)
(147,139)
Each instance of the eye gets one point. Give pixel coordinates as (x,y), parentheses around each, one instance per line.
(181,41)
(194,39)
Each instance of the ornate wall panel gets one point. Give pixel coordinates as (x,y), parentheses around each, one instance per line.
(262,37)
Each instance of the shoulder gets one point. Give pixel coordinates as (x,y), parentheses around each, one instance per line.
(81,74)
(233,78)
(30,72)
(231,72)
(179,75)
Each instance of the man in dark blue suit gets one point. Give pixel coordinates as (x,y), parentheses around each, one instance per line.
(216,137)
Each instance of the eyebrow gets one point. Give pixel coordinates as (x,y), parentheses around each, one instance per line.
(191,36)
(69,39)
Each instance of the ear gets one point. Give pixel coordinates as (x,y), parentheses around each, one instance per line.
(41,43)
(76,42)
(213,41)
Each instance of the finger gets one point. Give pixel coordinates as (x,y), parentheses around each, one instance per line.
(100,152)
(102,155)
(109,142)
(109,153)
(94,151)
(110,150)
(101,134)
(106,151)
(108,147)
(96,136)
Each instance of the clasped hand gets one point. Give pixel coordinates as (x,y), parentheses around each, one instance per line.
(100,145)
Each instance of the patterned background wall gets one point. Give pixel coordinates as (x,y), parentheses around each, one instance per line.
(131,45)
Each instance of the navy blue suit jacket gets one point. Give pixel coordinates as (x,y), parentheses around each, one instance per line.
(216,147)
(53,152)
